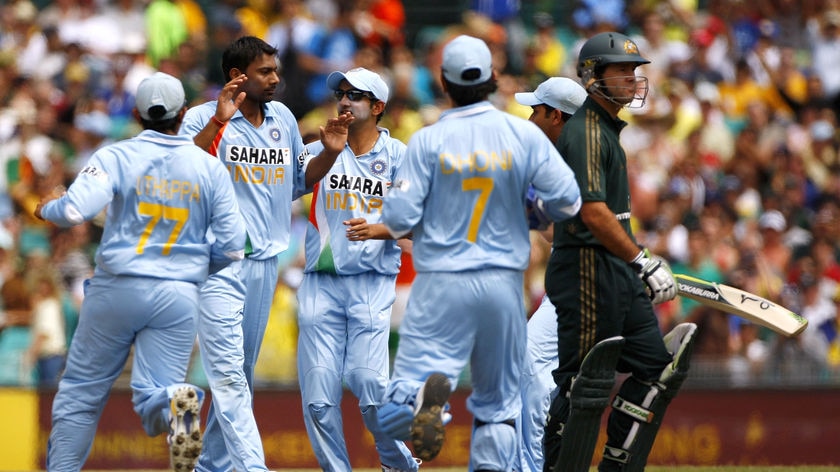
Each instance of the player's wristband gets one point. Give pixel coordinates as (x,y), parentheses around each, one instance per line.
(219,123)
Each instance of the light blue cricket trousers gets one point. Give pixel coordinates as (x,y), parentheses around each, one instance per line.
(344,322)
(158,317)
(235,303)
(475,317)
(537,383)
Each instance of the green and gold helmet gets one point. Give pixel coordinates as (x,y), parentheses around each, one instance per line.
(603,49)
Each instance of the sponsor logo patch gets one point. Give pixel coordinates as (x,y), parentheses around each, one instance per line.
(94,172)
(700,292)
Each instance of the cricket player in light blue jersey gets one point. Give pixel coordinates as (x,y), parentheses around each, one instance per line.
(258,140)
(462,193)
(349,282)
(163,194)
(553,103)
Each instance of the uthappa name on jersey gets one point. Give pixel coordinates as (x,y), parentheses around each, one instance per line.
(476,162)
(256,165)
(343,193)
(166,189)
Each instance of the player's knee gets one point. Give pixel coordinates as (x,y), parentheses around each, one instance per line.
(321,385)
(319,411)
(494,445)
(367,385)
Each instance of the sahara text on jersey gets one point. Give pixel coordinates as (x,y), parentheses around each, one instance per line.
(265,172)
(338,200)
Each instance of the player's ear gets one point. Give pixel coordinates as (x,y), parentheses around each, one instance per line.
(181,115)
(557,117)
(378,107)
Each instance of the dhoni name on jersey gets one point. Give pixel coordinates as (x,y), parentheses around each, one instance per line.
(354,192)
(476,162)
(257,165)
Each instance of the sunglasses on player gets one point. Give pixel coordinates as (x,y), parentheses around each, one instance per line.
(353,95)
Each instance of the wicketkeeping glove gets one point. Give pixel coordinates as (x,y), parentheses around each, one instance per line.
(656,274)
(395,420)
(537,219)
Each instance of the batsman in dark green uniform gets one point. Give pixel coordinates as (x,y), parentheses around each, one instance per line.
(604,285)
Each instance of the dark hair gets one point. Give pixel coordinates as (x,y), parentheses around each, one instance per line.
(547,109)
(379,116)
(164,126)
(242,52)
(464,95)
(156,112)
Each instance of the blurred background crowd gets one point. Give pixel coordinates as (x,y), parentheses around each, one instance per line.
(733,158)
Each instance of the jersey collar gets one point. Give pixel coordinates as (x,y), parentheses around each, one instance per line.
(469,110)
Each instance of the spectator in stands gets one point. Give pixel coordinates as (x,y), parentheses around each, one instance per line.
(824,40)
(380,24)
(292,34)
(166,29)
(48,348)
(821,314)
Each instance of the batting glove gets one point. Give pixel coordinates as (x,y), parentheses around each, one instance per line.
(534,208)
(656,274)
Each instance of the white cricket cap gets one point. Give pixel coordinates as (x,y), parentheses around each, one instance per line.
(467,61)
(707,92)
(772,219)
(362,79)
(160,90)
(560,93)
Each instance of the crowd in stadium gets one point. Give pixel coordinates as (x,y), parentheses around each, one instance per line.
(733,158)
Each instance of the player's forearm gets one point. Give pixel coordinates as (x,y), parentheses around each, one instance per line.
(60,213)
(318,167)
(603,224)
(379,231)
(204,138)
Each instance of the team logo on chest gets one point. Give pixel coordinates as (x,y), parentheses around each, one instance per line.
(378,167)
(274,133)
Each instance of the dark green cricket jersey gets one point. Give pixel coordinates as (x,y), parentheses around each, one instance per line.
(589,144)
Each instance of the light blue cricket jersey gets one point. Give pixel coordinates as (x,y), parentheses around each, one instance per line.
(163,192)
(354,187)
(463,186)
(266,166)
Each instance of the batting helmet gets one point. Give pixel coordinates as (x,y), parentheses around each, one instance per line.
(603,49)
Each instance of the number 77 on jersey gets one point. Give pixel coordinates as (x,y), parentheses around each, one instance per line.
(739,302)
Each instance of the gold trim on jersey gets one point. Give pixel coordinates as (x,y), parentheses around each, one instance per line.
(588,300)
(593,150)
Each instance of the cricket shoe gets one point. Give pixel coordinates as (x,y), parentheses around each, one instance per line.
(427,431)
(385,468)
(185,437)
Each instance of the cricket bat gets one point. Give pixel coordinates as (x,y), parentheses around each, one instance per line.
(742,303)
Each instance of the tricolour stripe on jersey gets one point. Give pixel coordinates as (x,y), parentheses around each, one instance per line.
(318,218)
(214,146)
